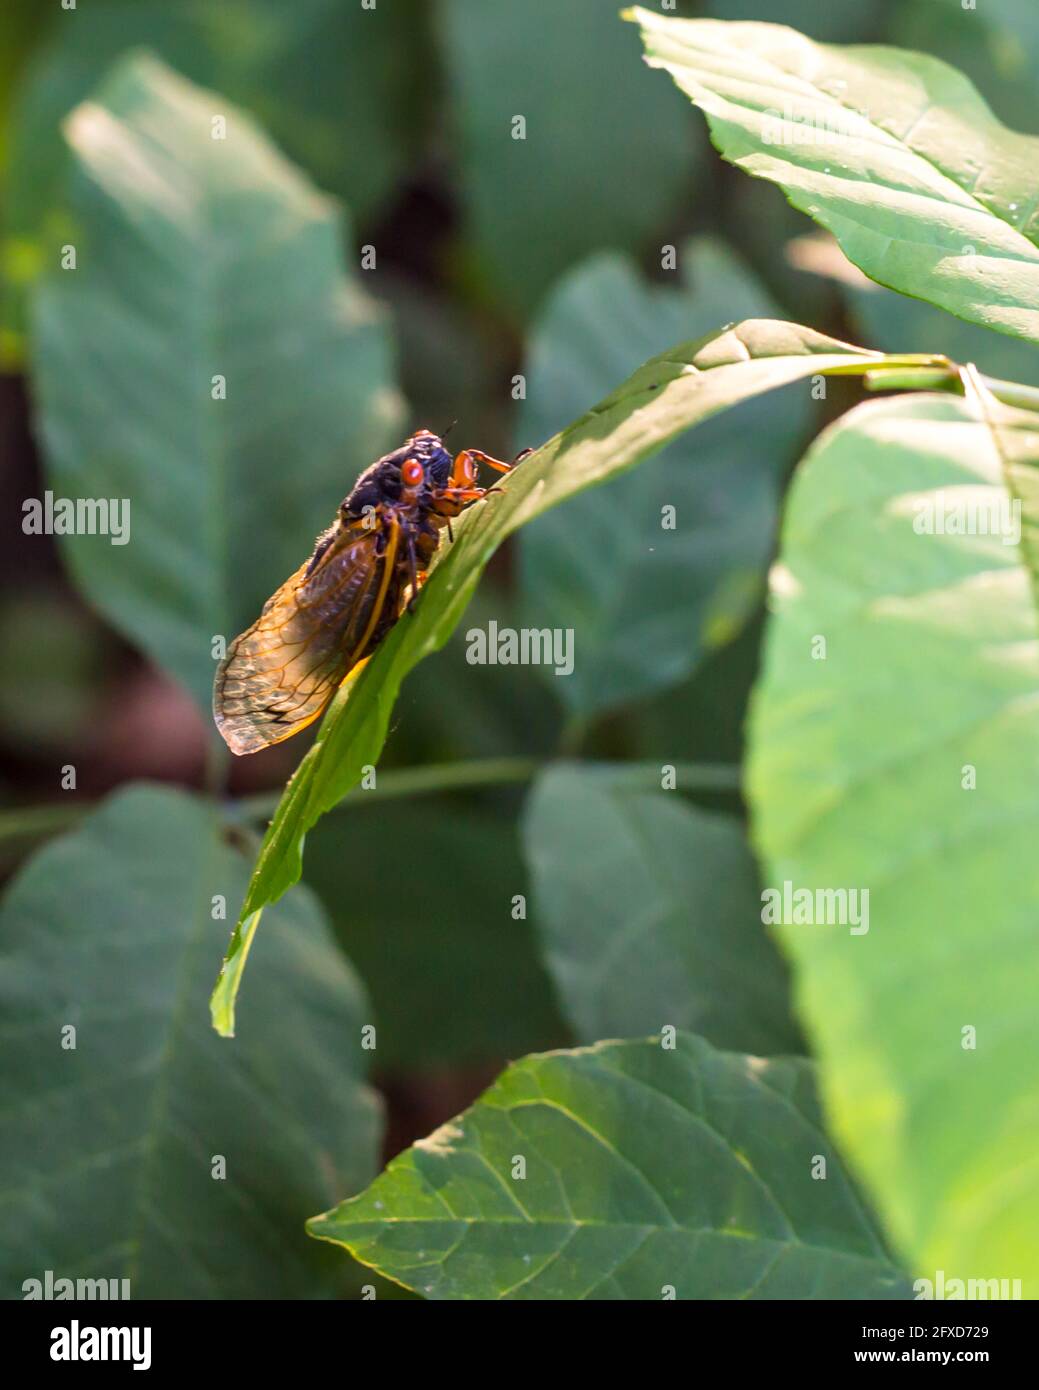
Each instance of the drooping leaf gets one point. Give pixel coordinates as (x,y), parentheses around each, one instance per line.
(136,1144)
(207,360)
(542,195)
(893,152)
(624,1171)
(655,569)
(649,913)
(899,760)
(665,396)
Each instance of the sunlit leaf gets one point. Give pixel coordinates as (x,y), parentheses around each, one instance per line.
(893,152)
(899,759)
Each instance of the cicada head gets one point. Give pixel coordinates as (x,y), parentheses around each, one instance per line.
(408,475)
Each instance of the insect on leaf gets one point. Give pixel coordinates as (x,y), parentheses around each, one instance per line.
(666,395)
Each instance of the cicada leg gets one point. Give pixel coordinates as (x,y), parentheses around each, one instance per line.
(416,578)
(462,486)
(464,474)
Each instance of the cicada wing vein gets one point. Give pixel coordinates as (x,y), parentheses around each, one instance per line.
(279,675)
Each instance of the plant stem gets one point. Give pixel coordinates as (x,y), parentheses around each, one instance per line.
(947,378)
(491,772)
(415,781)
(34,822)
(1013,393)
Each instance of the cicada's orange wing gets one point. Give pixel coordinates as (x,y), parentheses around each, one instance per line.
(280,673)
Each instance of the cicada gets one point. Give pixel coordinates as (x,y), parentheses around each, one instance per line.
(366,569)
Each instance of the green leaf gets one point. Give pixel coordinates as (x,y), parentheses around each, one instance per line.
(834,23)
(647,602)
(199,258)
(332,82)
(997,46)
(889,319)
(893,152)
(24,25)
(647,1169)
(443,713)
(703,719)
(894,318)
(861,777)
(53,671)
(665,396)
(540,199)
(649,912)
(108,1163)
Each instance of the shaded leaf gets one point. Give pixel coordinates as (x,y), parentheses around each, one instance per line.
(443,713)
(997,46)
(703,719)
(646,1170)
(834,23)
(197,259)
(330,81)
(649,912)
(538,203)
(647,601)
(110,1146)
(453,978)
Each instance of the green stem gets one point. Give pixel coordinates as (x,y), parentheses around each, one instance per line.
(34,822)
(913,379)
(491,772)
(895,363)
(689,777)
(415,781)
(1013,393)
(217,762)
(946,377)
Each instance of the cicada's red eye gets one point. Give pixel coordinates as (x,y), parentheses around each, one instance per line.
(412,473)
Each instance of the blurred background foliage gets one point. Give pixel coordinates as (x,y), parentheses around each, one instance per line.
(495,257)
